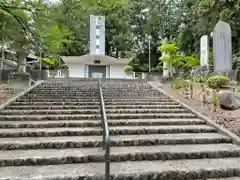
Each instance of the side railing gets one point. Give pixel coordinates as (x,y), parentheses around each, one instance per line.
(106,137)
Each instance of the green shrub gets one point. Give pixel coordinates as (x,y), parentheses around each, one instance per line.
(128,68)
(216,82)
(200,79)
(179,83)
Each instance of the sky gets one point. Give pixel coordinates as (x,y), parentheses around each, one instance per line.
(52,1)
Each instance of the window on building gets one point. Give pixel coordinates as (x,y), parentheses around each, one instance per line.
(97,51)
(97,37)
(97,32)
(97,47)
(97,62)
(97,42)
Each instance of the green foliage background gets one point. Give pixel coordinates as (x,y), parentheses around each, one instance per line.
(63,27)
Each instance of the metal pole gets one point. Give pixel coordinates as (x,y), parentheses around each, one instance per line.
(40,55)
(149,56)
(2,59)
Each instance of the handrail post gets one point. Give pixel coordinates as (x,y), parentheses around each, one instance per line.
(106,136)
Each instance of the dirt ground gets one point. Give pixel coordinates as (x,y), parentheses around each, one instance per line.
(7,93)
(227,119)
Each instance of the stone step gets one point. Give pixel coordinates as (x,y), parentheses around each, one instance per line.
(63,94)
(113,130)
(63,142)
(131,153)
(48,117)
(66,94)
(90,111)
(54,103)
(226,178)
(57,96)
(137,111)
(139,100)
(55,107)
(86,99)
(96,116)
(73,96)
(108,90)
(54,112)
(71,90)
(58,107)
(93,123)
(64,89)
(93,103)
(128,93)
(149,115)
(170,169)
(135,98)
(58,100)
(141,103)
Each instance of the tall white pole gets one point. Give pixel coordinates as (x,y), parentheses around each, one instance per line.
(40,51)
(149,55)
(2,59)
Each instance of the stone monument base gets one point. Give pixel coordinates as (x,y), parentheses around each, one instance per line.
(19,79)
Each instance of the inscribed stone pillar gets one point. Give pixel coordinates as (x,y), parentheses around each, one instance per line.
(222,47)
(204,51)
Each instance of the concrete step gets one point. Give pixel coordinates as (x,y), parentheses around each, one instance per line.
(141,103)
(58,100)
(226,178)
(68,86)
(55,103)
(55,107)
(139,100)
(95,116)
(131,153)
(93,123)
(63,142)
(90,111)
(148,110)
(57,96)
(66,91)
(134,95)
(149,115)
(144,106)
(92,103)
(54,112)
(170,169)
(114,130)
(58,107)
(76,99)
(48,117)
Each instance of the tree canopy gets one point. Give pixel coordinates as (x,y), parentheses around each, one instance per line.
(62,28)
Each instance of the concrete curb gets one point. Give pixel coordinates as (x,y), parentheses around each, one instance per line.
(222,130)
(19,95)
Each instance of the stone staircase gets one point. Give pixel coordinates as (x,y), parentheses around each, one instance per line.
(54,133)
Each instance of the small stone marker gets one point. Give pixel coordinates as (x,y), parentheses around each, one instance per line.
(204,51)
(222,47)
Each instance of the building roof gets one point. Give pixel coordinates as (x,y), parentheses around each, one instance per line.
(89,59)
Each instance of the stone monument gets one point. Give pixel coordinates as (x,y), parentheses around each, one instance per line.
(222,48)
(204,51)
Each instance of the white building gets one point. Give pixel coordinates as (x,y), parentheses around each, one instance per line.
(94,66)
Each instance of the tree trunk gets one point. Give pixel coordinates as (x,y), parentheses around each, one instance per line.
(21,63)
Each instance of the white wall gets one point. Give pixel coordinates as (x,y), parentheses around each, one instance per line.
(117,71)
(76,70)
